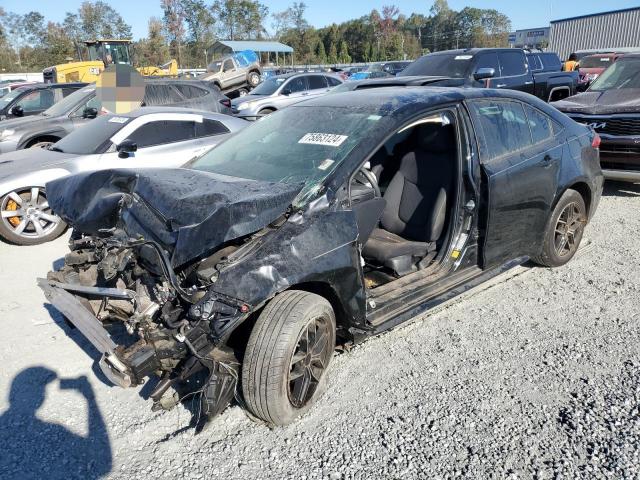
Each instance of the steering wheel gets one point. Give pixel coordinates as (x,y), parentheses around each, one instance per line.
(371,178)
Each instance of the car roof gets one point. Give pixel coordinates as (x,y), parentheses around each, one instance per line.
(473,51)
(41,85)
(392,99)
(139,112)
(302,74)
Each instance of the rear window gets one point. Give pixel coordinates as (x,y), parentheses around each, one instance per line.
(504,125)
(595,62)
(316,82)
(209,128)
(163,131)
(161,95)
(190,91)
(540,125)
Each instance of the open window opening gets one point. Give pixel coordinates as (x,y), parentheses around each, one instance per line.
(404,198)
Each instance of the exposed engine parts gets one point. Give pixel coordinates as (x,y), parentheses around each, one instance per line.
(168,324)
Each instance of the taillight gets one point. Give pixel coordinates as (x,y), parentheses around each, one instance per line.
(226,102)
(596,141)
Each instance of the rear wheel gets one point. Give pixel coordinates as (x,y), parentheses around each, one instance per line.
(26,219)
(289,350)
(564,230)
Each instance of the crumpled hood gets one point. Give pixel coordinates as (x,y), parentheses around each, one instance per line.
(188,212)
(600,103)
(31,160)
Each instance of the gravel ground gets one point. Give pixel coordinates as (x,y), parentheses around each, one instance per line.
(535,377)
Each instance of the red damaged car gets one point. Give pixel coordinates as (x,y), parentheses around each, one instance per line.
(592,66)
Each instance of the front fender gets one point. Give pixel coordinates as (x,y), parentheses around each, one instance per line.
(31,179)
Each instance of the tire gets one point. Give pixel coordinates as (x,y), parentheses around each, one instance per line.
(273,378)
(564,231)
(266,111)
(253,79)
(42,144)
(26,219)
(242,92)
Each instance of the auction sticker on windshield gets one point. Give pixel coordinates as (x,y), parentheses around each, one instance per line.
(118,120)
(327,139)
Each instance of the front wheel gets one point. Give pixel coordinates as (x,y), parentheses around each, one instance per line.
(564,230)
(42,144)
(26,219)
(253,79)
(289,350)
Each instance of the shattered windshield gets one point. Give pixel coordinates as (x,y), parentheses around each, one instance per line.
(297,145)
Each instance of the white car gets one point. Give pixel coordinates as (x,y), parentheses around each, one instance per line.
(148,137)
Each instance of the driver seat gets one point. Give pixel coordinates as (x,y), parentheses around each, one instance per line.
(416,202)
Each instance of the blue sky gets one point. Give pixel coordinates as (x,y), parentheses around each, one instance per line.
(523,13)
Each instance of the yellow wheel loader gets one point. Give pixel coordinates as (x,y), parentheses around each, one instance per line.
(100,54)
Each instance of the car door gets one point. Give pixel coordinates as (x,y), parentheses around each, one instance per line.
(317,85)
(487,60)
(520,177)
(78,117)
(293,91)
(514,72)
(160,144)
(230,72)
(35,102)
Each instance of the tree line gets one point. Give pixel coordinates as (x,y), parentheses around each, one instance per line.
(187,27)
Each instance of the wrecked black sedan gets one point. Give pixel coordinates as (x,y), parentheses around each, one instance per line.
(321,225)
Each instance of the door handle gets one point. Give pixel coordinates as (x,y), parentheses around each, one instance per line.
(501,85)
(528,83)
(546,161)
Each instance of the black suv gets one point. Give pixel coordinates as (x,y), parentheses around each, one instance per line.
(34,99)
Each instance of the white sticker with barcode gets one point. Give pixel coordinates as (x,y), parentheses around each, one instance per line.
(327,139)
(118,120)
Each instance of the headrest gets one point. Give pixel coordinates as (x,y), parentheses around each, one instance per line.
(434,138)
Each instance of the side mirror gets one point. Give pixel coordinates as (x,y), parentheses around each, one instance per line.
(126,147)
(286,91)
(483,73)
(90,112)
(18,111)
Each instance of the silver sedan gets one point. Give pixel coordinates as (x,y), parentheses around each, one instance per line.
(278,92)
(145,138)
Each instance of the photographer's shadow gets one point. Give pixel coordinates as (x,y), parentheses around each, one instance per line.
(31,448)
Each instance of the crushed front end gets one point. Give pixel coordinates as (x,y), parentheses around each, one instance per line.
(166,324)
(139,280)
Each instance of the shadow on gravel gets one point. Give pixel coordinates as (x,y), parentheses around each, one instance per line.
(79,339)
(621,189)
(34,449)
